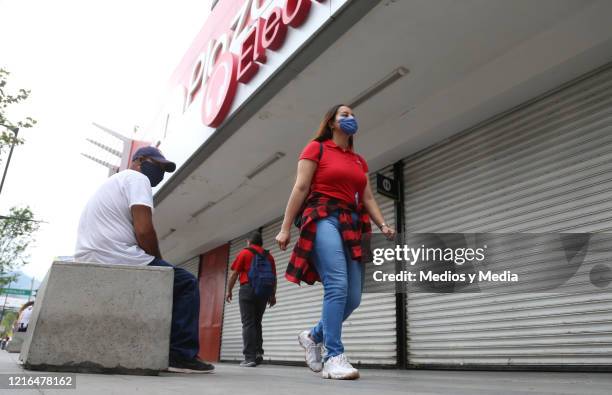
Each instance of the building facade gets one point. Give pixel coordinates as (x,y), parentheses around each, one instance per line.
(492,116)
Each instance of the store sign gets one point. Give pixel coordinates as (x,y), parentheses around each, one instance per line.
(217,72)
(387,186)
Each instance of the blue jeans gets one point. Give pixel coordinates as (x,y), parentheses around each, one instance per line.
(342,280)
(184,332)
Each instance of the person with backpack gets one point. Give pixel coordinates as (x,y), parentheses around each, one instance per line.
(257,272)
(332,203)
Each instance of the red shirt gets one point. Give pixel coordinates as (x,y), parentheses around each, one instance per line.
(242,263)
(341,173)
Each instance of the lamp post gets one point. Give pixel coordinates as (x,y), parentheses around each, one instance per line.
(8,161)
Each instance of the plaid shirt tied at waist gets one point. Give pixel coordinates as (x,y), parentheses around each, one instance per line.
(318,206)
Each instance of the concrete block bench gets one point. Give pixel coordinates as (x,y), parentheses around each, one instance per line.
(96,318)
(14,346)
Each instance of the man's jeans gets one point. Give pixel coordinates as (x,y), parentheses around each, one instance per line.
(251,313)
(342,280)
(184,334)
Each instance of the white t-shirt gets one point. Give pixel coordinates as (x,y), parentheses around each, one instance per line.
(106,229)
(24,320)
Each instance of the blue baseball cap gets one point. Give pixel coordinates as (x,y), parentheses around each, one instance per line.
(155,154)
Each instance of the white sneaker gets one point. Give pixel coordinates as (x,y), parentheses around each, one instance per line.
(313,357)
(339,368)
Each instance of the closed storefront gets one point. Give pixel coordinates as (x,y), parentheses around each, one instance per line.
(543,168)
(479,126)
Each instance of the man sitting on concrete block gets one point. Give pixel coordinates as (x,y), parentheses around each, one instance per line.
(116,227)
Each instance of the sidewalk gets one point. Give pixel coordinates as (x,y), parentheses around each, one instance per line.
(273,379)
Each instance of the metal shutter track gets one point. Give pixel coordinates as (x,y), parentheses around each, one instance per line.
(545,167)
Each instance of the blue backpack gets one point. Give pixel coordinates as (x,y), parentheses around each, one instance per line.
(261,276)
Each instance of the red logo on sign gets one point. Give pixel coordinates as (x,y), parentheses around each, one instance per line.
(229,69)
(220,90)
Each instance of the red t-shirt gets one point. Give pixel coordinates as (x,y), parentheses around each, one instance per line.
(242,263)
(341,173)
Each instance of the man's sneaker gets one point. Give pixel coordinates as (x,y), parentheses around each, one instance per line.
(259,359)
(179,365)
(313,351)
(247,364)
(339,368)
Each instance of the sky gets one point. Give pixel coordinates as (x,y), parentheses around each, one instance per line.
(84,61)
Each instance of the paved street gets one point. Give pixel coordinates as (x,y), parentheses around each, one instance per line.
(272,379)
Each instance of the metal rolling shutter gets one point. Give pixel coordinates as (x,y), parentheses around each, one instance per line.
(297,308)
(192,265)
(231,335)
(544,167)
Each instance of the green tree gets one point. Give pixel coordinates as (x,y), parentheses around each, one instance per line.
(8,135)
(16,234)
(7,322)
(16,228)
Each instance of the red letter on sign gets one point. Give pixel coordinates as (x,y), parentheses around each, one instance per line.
(296,12)
(259,54)
(275,31)
(246,64)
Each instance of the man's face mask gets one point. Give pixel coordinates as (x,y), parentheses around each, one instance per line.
(154,172)
(348,125)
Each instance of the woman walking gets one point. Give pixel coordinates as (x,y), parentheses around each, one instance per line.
(333,202)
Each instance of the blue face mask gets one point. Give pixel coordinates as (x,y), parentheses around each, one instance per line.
(154,173)
(348,125)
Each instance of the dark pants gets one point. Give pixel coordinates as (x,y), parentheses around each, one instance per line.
(251,313)
(184,332)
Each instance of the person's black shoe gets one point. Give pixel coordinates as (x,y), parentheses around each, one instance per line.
(259,359)
(180,365)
